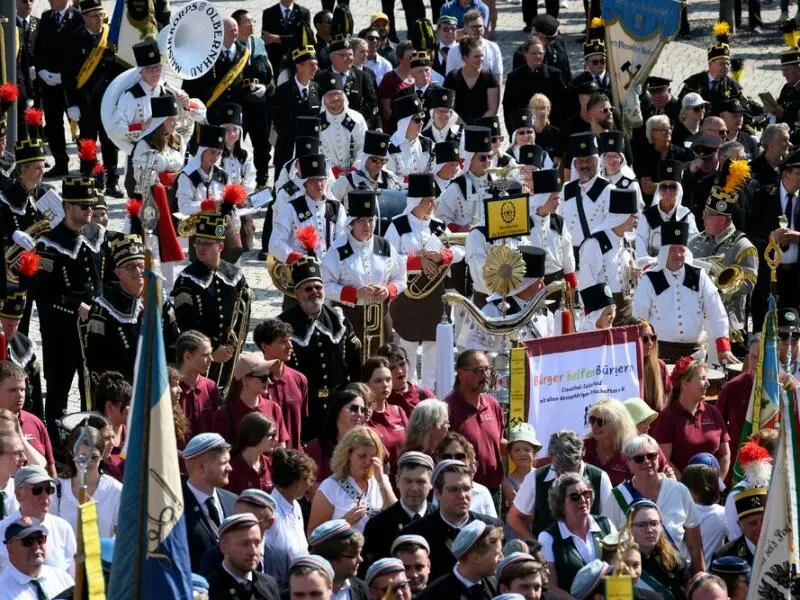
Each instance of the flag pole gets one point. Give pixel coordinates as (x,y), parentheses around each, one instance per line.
(141,518)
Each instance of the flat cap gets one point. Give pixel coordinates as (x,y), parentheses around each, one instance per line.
(202,443)
(512,559)
(329,530)
(257,497)
(468,537)
(588,578)
(238,521)
(384,566)
(411,539)
(413,457)
(313,561)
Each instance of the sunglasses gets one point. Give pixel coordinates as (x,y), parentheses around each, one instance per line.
(356,409)
(49,489)
(261,378)
(598,61)
(784,335)
(596,421)
(373,38)
(576,496)
(649,338)
(484,157)
(640,458)
(670,187)
(417,120)
(524,131)
(455,456)
(379,161)
(31,540)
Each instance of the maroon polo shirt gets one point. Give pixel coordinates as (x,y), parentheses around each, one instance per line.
(391,426)
(115,465)
(484,427)
(732,404)
(689,433)
(36,433)
(321,458)
(230,414)
(244,477)
(290,391)
(199,403)
(410,398)
(617,468)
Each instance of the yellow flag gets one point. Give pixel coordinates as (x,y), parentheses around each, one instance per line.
(507,217)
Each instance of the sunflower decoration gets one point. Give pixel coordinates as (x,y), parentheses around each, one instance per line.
(503,269)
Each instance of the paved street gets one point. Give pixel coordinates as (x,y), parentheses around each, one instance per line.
(678,61)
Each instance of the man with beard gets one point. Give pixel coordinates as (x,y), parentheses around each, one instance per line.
(596,116)
(326,349)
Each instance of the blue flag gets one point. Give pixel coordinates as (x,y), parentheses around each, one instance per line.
(151,553)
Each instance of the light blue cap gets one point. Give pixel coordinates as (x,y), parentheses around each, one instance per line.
(509,596)
(411,539)
(330,529)
(441,466)
(257,497)
(238,521)
(414,457)
(468,537)
(588,578)
(313,561)
(384,566)
(199,583)
(511,559)
(202,443)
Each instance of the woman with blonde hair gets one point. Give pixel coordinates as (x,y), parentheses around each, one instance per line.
(547,135)
(663,570)
(657,385)
(688,425)
(611,426)
(357,489)
(428,424)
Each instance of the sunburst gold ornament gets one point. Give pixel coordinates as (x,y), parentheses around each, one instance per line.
(503,269)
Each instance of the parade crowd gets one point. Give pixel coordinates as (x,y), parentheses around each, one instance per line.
(322,465)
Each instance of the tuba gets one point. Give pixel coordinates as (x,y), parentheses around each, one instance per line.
(420,285)
(281,275)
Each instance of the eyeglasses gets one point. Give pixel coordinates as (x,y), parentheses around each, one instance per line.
(784,335)
(34,539)
(448,28)
(596,421)
(455,456)
(261,378)
(606,110)
(19,454)
(524,131)
(647,524)
(597,61)
(668,187)
(649,338)
(649,457)
(205,243)
(576,496)
(379,161)
(132,268)
(479,370)
(49,489)
(357,409)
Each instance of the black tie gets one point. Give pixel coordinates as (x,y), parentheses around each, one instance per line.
(416,517)
(789,209)
(40,593)
(286,14)
(476,592)
(420,93)
(2,505)
(713,85)
(213,513)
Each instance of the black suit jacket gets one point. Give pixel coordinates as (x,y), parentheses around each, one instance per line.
(51,40)
(738,548)
(522,83)
(200,532)
(451,587)
(222,585)
(81,45)
(362,96)
(272,21)
(27,39)
(203,87)
(383,529)
(440,536)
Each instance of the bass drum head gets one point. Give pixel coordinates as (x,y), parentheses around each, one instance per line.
(111,98)
(391,203)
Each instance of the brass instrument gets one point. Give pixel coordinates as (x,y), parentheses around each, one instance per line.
(508,324)
(15,250)
(504,179)
(420,284)
(373,337)
(237,336)
(281,275)
(83,331)
(186,226)
(729,279)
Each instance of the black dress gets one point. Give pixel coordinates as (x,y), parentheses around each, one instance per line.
(550,138)
(471,102)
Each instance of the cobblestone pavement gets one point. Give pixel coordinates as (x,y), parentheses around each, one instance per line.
(679,60)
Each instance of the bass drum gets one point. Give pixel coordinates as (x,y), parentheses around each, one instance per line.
(111,98)
(391,203)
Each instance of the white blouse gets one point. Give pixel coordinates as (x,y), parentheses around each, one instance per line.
(343,502)
(107,496)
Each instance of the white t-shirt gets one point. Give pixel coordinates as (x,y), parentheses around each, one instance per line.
(61,544)
(107,495)
(525,499)
(678,511)
(584,546)
(342,502)
(492,58)
(287,531)
(712,528)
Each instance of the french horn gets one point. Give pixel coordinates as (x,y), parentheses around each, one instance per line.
(420,284)
(281,275)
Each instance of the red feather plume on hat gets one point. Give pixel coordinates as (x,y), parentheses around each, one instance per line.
(87,149)
(8,93)
(29,263)
(234,194)
(133,207)
(209,205)
(33,117)
(98,170)
(756,463)
(308,238)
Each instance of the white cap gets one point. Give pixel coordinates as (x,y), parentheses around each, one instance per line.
(693,99)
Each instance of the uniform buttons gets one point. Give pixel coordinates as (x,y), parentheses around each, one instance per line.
(323,365)
(319,344)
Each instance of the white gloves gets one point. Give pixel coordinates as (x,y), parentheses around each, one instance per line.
(259,90)
(49,78)
(74,113)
